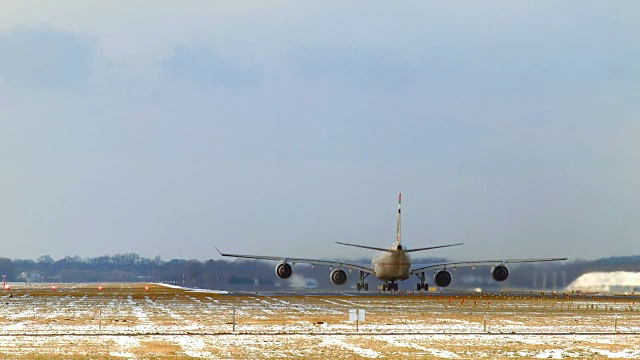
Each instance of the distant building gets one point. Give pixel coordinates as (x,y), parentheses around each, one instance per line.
(30,276)
(618,282)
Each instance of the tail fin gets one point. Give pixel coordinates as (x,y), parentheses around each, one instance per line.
(398,226)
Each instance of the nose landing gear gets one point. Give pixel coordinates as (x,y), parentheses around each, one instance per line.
(390,286)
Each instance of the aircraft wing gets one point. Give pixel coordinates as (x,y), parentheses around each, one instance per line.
(480,263)
(335,264)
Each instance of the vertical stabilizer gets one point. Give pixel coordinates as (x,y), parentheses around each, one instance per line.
(398,226)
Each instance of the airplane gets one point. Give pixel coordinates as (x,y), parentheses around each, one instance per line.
(391,264)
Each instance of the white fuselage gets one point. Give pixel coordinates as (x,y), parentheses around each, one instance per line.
(392,266)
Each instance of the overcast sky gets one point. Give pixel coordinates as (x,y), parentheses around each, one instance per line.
(279,127)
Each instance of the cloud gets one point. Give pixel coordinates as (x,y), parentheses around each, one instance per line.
(44,59)
(204,66)
(359,65)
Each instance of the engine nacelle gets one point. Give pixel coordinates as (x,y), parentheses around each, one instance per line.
(284,270)
(442,278)
(338,277)
(500,273)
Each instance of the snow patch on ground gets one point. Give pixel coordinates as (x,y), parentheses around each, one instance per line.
(193,346)
(336,341)
(550,354)
(208,291)
(624,354)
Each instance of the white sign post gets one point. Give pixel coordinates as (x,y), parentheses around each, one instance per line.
(234,318)
(356,315)
(100,320)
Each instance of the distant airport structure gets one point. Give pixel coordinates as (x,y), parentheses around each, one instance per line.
(618,282)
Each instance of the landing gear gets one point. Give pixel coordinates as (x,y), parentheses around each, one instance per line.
(361,284)
(422,285)
(390,286)
(364,287)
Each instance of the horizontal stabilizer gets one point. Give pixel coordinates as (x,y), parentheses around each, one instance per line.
(393,250)
(433,247)
(365,247)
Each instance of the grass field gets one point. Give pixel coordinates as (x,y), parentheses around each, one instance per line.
(80,321)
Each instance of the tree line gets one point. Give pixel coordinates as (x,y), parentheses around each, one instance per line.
(259,275)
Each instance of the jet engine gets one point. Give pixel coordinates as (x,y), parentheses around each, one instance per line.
(500,273)
(284,270)
(338,277)
(442,278)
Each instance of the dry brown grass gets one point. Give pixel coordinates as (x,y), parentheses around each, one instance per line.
(165,323)
(157,348)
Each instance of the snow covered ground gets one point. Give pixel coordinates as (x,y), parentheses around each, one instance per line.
(154,321)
